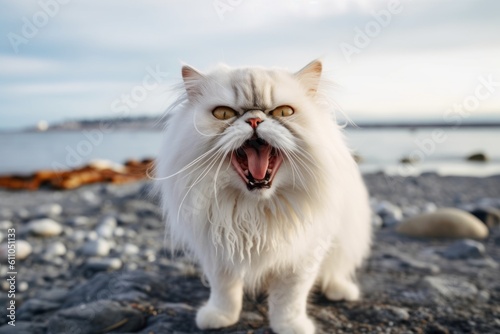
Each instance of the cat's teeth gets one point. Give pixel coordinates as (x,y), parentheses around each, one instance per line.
(269,171)
(245,172)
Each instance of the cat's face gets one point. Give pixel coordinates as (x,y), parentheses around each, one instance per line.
(257,123)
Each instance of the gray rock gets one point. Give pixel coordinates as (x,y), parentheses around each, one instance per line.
(78,236)
(103,264)
(44,227)
(98,247)
(56,249)
(36,306)
(119,232)
(391,313)
(6,214)
(108,220)
(78,221)
(97,317)
(48,210)
(450,287)
(23,327)
(417,266)
(105,231)
(464,249)
(23,250)
(127,218)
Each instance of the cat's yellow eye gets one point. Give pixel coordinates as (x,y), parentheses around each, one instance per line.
(282,111)
(223,113)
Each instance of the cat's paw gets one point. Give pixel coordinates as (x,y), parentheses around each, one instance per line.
(344,290)
(211,317)
(301,325)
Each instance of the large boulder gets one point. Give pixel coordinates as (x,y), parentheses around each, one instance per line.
(444,223)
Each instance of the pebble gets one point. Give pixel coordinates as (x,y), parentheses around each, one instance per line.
(44,227)
(78,236)
(101,264)
(108,220)
(119,232)
(130,249)
(98,247)
(6,214)
(23,250)
(5,224)
(127,218)
(56,249)
(105,231)
(78,221)
(48,210)
(444,223)
(464,249)
(391,214)
(22,286)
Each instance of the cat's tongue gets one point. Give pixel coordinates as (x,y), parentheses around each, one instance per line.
(258,160)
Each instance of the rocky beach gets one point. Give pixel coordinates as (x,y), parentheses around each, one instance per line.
(96,260)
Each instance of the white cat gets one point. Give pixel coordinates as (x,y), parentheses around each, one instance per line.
(258,184)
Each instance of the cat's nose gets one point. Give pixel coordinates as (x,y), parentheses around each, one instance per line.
(254,122)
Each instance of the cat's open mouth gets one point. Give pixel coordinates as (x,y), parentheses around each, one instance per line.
(256,162)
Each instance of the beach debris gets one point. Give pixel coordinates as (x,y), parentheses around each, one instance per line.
(479,156)
(94,172)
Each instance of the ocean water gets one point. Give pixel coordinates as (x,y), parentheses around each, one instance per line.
(380,149)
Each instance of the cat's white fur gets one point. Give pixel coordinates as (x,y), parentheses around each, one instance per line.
(311,226)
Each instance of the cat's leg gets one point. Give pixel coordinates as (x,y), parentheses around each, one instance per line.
(224,305)
(288,302)
(336,277)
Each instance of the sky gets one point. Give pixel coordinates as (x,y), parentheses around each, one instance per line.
(391,60)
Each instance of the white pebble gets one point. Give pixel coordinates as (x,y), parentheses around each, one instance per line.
(5,224)
(105,231)
(56,249)
(92,235)
(44,227)
(130,249)
(108,221)
(78,236)
(22,286)
(23,250)
(119,232)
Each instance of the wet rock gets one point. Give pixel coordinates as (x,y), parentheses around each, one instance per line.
(44,227)
(464,249)
(98,247)
(98,317)
(23,250)
(444,223)
(103,264)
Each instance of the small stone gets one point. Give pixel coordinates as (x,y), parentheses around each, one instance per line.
(48,210)
(104,231)
(391,214)
(23,250)
(444,223)
(22,286)
(91,235)
(35,306)
(56,249)
(78,221)
(483,295)
(44,227)
(6,214)
(130,249)
(127,218)
(119,232)
(78,236)
(108,221)
(464,249)
(101,264)
(429,207)
(99,247)
(5,224)
(479,156)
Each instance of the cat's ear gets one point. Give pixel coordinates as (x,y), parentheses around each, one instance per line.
(192,80)
(310,75)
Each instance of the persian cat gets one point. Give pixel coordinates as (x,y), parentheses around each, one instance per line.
(258,185)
